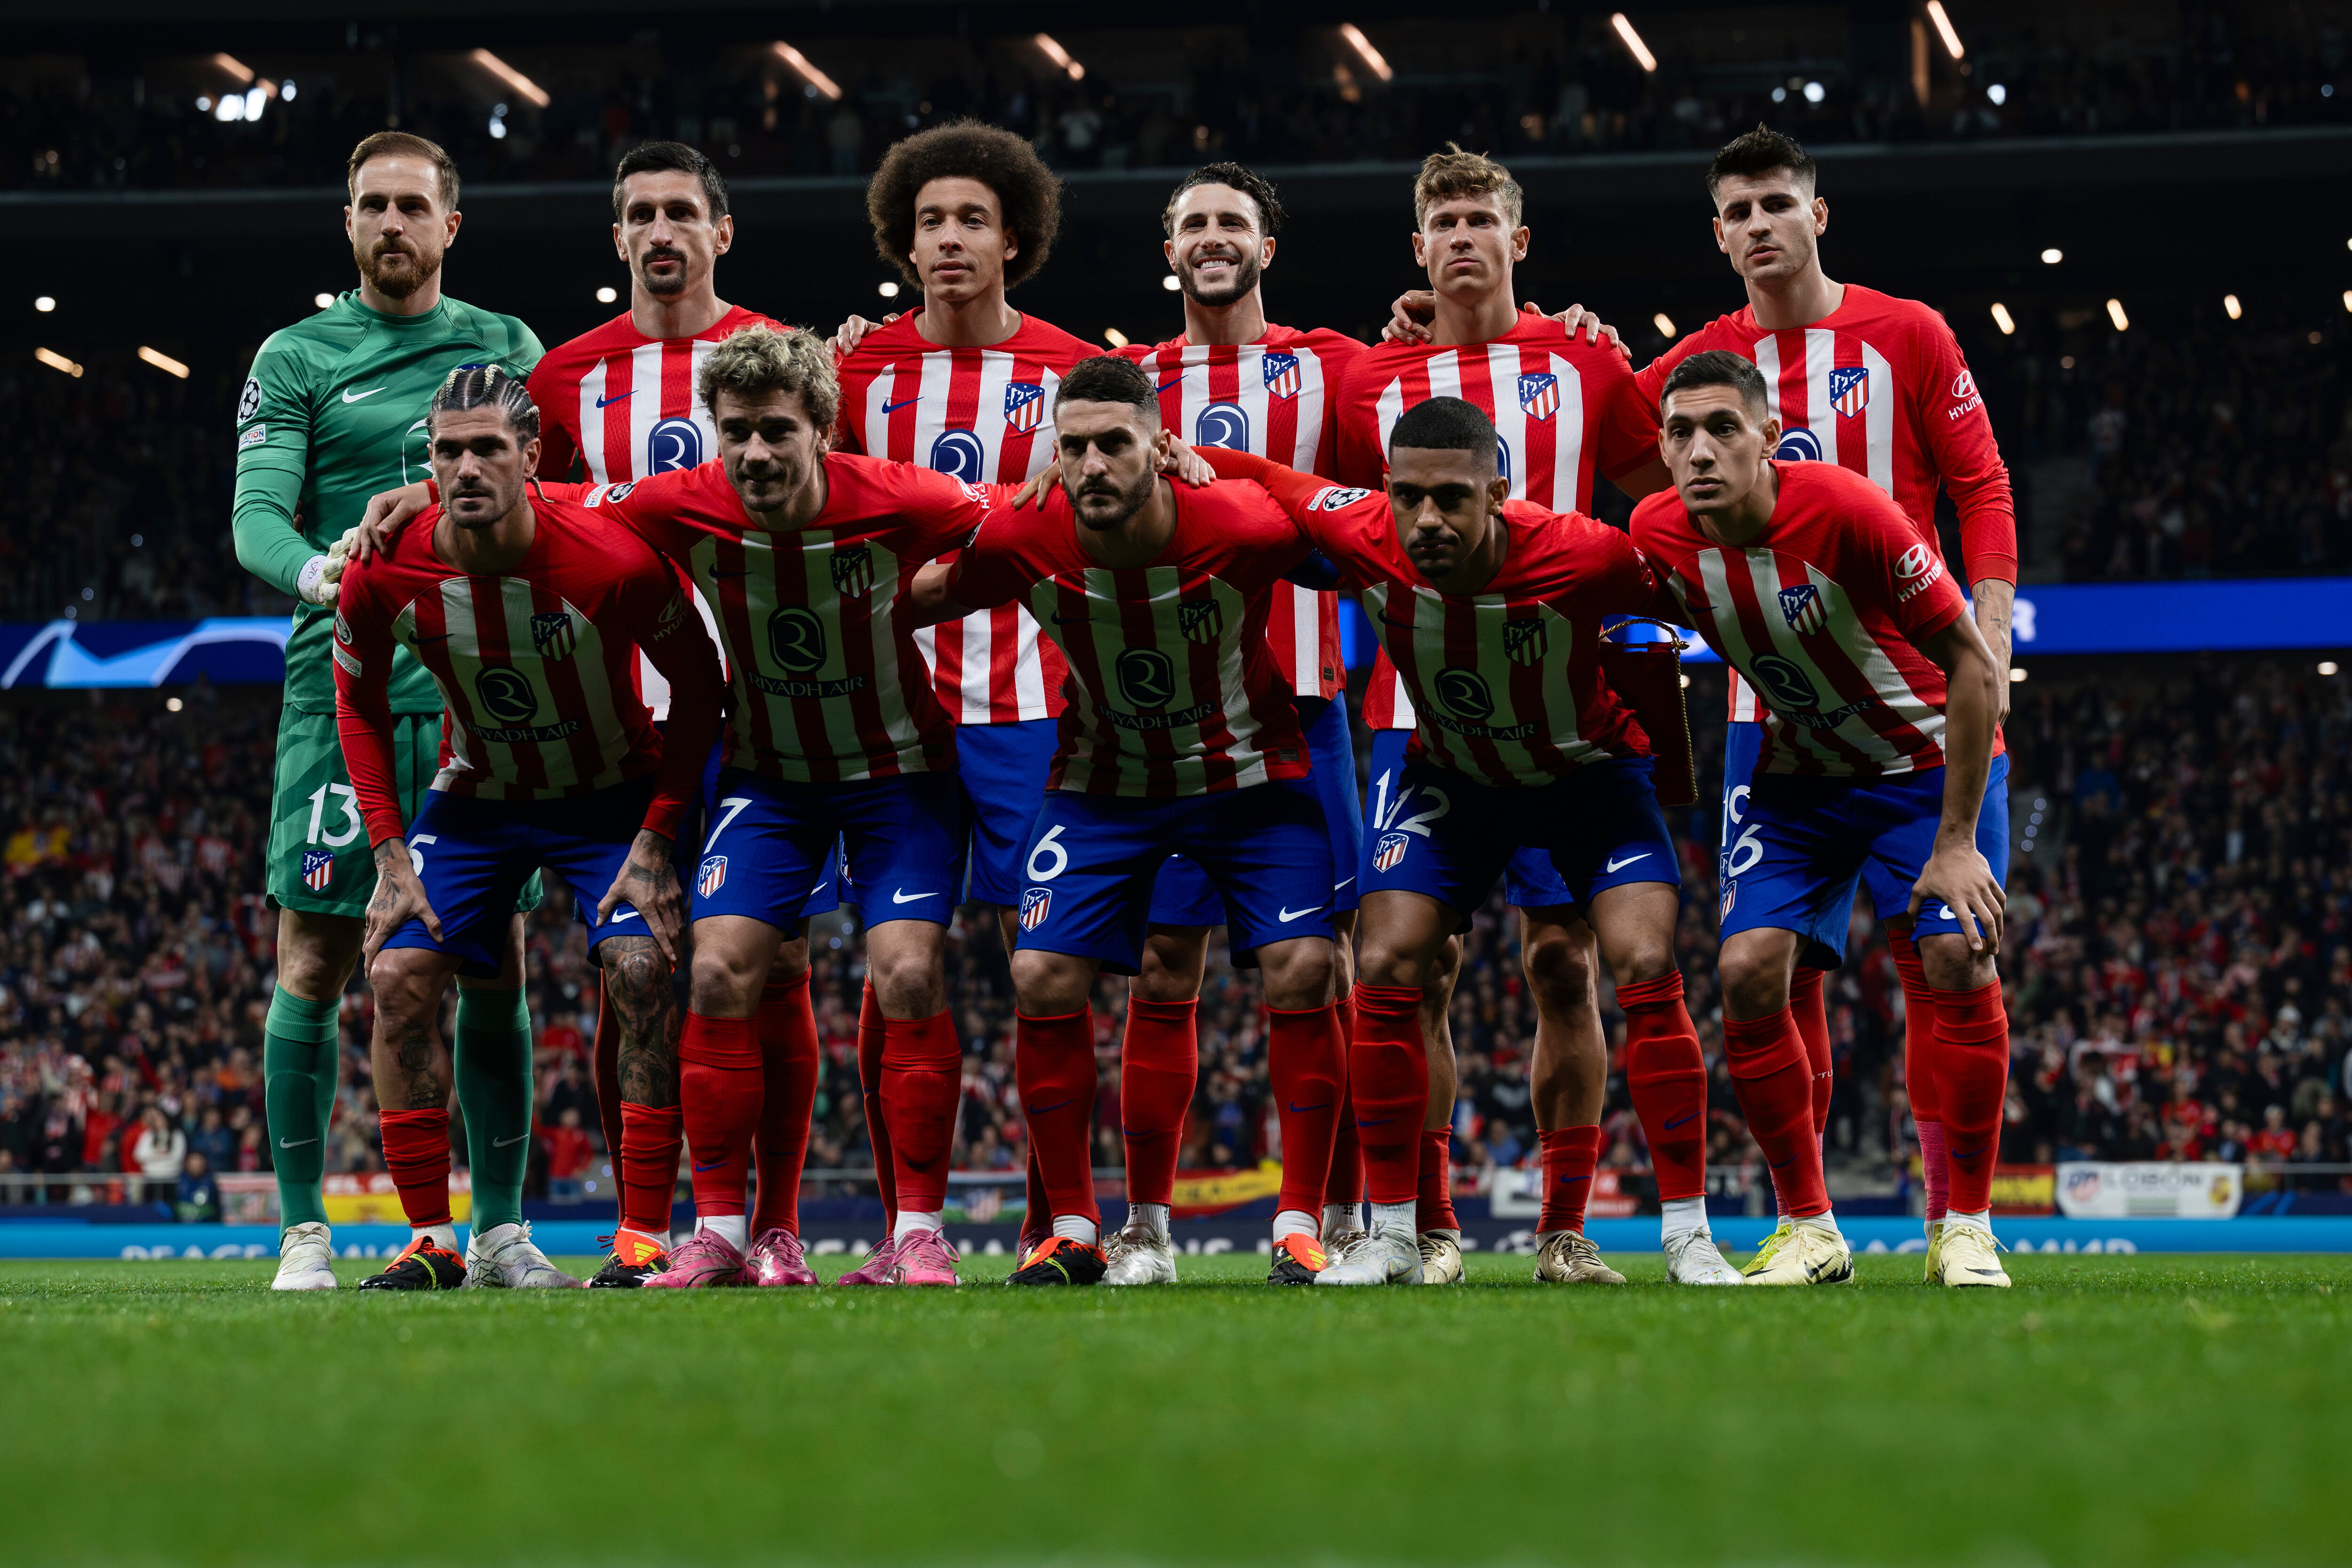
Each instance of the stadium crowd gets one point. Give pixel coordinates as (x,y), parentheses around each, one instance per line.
(1160,98)
(2179,965)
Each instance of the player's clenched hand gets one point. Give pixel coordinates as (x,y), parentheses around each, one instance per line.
(387,512)
(1959,875)
(399,898)
(847,336)
(648,881)
(1409,315)
(1576,318)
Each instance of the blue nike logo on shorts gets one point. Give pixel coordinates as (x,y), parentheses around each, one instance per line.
(616,397)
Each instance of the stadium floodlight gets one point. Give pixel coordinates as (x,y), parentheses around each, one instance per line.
(2052,256)
(2115,314)
(2003,319)
(2326,666)
(172,705)
(1997,95)
(1815,92)
(236,68)
(57,361)
(45,304)
(164,361)
(1115,338)
(1170,283)
(1664,324)
(1943,21)
(2016,674)
(521,86)
(607,295)
(2347,299)
(322,300)
(1632,42)
(807,69)
(888,288)
(1374,62)
(1060,56)
(2230,303)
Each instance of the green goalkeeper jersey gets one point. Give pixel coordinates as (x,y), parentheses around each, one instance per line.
(333,412)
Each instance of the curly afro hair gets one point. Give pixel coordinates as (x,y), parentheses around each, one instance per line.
(965,149)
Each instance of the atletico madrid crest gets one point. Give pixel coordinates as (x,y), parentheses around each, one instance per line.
(1389,850)
(1036,905)
(1282,374)
(1025,406)
(853,572)
(317,870)
(1850,389)
(712,877)
(1524,642)
(1200,619)
(1801,608)
(553,635)
(1539,395)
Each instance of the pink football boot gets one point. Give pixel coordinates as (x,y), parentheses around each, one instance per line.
(707,1260)
(875,1270)
(776,1259)
(925,1258)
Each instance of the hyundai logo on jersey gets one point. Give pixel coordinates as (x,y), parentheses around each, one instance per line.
(317,868)
(1801,608)
(506,694)
(1222,424)
(853,572)
(1850,389)
(958,454)
(553,635)
(1200,619)
(1525,641)
(713,876)
(1539,394)
(1036,903)
(1282,374)
(1025,406)
(673,444)
(1146,677)
(1798,445)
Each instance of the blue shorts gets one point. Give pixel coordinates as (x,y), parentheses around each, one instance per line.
(1092,859)
(474,856)
(1743,742)
(770,854)
(698,820)
(1804,843)
(1003,769)
(1529,878)
(1183,897)
(1450,837)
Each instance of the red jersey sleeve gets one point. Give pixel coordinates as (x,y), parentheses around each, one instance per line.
(1627,429)
(362,652)
(555,393)
(1310,500)
(671,635)
(1958,434)
(647,507)
(988,569)
(1651,379)
(1921,597)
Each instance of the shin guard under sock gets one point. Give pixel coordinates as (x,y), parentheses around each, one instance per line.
(651,1137)
(1920,1073)
(1344,1185)
(1387,1079)
(1159,1066)
(1053,1063)
(1307,1071)
(1807,1006)
(416,1153)
(1971,1083)
(721,1090)
(787,1067)
(1433,1195)
(299,1062)
(1665,1073)
(490,1054)
(869,1082)
(922,1084)
(1770,1074)
(1571,1154)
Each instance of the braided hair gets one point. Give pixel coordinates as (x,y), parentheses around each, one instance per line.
(488,386)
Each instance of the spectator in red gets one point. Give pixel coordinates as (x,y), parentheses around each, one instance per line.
(2276,1140)
(569,1152)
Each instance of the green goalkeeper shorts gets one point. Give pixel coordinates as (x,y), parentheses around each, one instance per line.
(320,859)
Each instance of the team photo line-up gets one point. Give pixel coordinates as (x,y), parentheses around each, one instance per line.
(725,625)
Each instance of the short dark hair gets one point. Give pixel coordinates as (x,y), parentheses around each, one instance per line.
(1108,378)
(1028,192)
(1247,180)
(1447,424)
(1718,367)
(488,386)
(1760,152)
(402,144)
(661,157)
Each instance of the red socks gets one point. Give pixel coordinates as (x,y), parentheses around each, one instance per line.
(1813,1016)
(1919,1071)
(1053,1063)
(1972,1052)
(721,1089)
(788,1064)
(1387,1079)
(922,1084)
(1346,1183)
(416,1153)
(1769,1071)
(1665,1073)
(1433,1202)
(877,1125)
(1306,1061)
(1160,1063)
(650,1138)
(1570,1157)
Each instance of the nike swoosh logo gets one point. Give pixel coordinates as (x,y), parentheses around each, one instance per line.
(1176,380)
(898,897)
(1968,1154)
(1987,1273)
(616,397)
(1629,860)
(1299,1110)
(1289,914)
(435,637)
(1784,1164)
(294,1142)
(354,397)
(1680,1120)
(1040,1110)
(1342,883)
(502,1143)
(920,1164)
(624,914)
(711,1166)
(902,402)
(1571,1181)
(1382,1122)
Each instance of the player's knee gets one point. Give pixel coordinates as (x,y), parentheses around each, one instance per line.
(405,992)
(722,984)
(907,983)
(1559,970)
(1754,984)
(635,974)
(1297,974)
(1050,985)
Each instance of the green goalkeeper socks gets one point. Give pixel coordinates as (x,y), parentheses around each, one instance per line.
(493,1068)
(299,1062)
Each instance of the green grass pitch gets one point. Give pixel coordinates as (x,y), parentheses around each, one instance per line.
(2123,1410)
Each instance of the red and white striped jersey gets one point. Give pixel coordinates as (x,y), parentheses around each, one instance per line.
(1877,386)
(533,666)
(827,682)
(1277,397)
(1507,681)
(984,416)
(1564,409)
(1818,612)
(1176,691)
